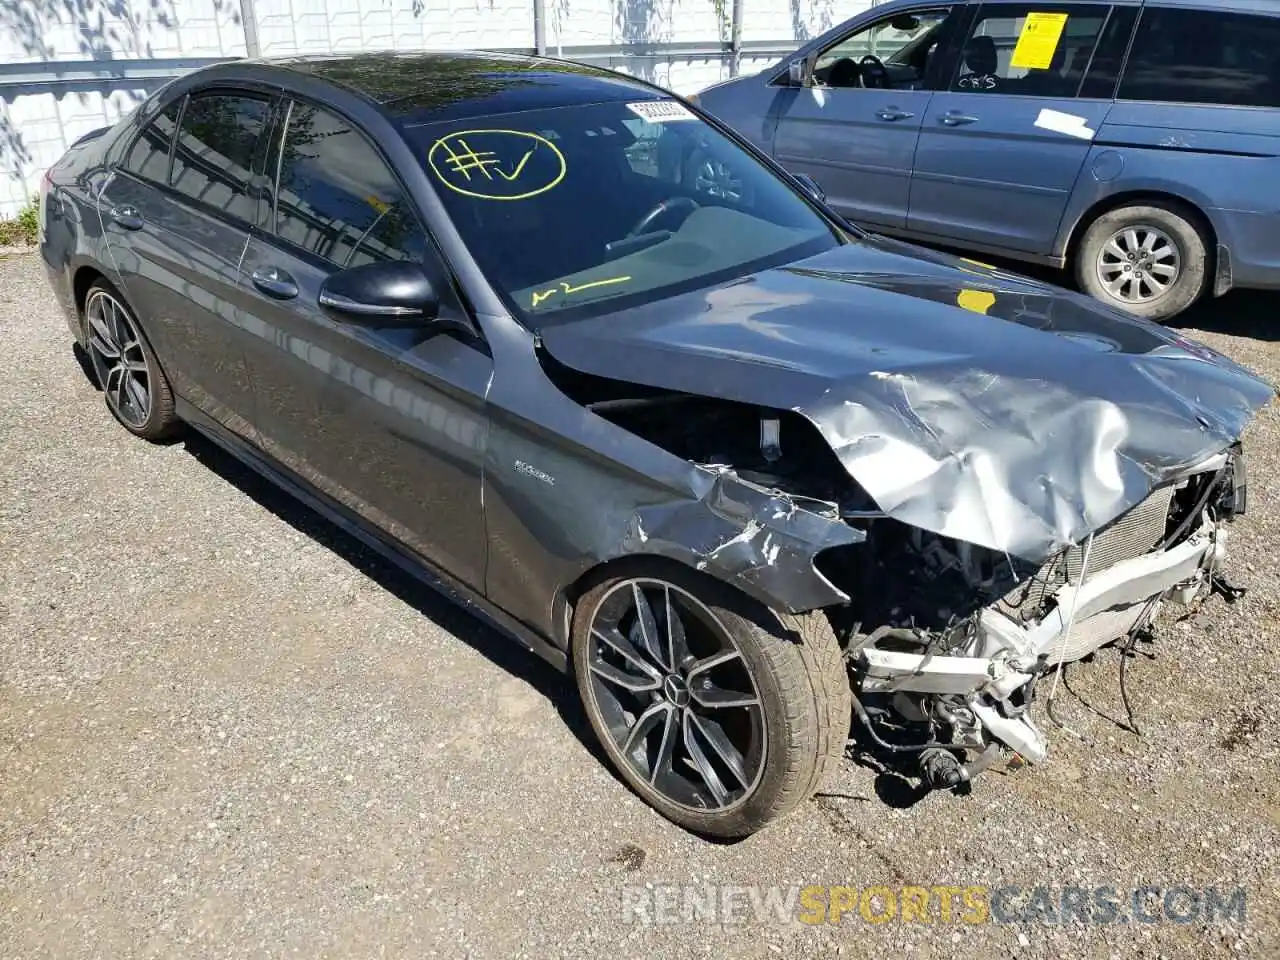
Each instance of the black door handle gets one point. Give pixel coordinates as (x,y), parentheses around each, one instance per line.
(954,118)
(275,283)
(893,113)
(127,217)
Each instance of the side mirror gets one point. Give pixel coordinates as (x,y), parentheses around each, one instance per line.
(905,23)
(387,293)
(811,187)
(798,72)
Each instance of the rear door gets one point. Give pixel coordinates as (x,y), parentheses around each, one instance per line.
(177,216)
(1001,148)
(389,422)
(1198,115)
(858,142)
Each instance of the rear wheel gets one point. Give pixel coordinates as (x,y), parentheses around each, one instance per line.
(1151,260)
(135,388)
(720,714)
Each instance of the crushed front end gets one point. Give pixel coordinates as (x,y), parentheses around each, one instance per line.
(948,642)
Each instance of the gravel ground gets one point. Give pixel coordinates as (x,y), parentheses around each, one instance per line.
(226,730)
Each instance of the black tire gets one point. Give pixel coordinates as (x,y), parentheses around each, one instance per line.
(1097,257)
(110,326)
(799,677)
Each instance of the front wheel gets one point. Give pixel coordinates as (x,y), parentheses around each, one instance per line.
(1150,260)
(722,715)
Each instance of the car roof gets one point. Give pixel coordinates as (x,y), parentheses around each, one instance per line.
(430,86)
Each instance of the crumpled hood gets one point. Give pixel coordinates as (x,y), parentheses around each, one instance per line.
(964,400)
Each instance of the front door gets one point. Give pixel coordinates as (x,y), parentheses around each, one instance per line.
(854,130)
(387,421)
(1002,147)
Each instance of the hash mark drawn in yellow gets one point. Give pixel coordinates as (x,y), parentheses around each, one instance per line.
(483,160)
(539,296)
(453,164)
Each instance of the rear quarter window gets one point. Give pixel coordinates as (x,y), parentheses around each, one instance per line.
(1204,56)
(149,156)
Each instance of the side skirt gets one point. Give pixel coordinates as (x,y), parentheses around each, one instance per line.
(350,523)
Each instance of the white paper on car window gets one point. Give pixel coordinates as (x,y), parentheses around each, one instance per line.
(660,111)
(1066,123)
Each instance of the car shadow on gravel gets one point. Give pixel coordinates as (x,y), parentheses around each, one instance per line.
(1241,313)
(890,787)
(445,613)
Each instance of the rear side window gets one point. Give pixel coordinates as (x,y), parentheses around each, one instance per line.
(214,154)
(1202,56)
(1029,49)
(1104,72)
(336,196)
(149,155)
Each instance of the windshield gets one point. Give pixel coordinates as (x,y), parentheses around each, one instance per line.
(580,210)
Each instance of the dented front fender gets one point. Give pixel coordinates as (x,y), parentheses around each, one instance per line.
(566,491)
(761,541)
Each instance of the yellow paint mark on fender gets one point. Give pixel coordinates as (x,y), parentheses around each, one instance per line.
(495,164)
(979,301)
(978,263)
(1038,42)
(540,296)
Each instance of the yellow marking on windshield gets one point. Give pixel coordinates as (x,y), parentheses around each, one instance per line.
(519,166)
(483,163)
(540,296)
(979,301)
(468,160)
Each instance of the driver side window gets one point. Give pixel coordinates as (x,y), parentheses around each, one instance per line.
(902,43)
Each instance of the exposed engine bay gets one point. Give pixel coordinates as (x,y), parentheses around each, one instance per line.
(947,642)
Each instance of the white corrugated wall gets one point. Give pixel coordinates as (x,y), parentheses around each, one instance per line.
(68,66)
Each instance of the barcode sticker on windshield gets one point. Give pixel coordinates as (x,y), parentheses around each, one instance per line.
(661,111)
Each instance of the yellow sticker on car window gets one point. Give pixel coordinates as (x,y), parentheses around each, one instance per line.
(1038,42)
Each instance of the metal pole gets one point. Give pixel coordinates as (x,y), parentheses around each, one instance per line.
(249,21)
(540,26)
(735,39)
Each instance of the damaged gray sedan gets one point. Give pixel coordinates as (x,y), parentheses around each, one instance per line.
(555,342)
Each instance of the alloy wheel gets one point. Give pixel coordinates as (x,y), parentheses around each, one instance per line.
(676,695)
(115,348)
(1139,264)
